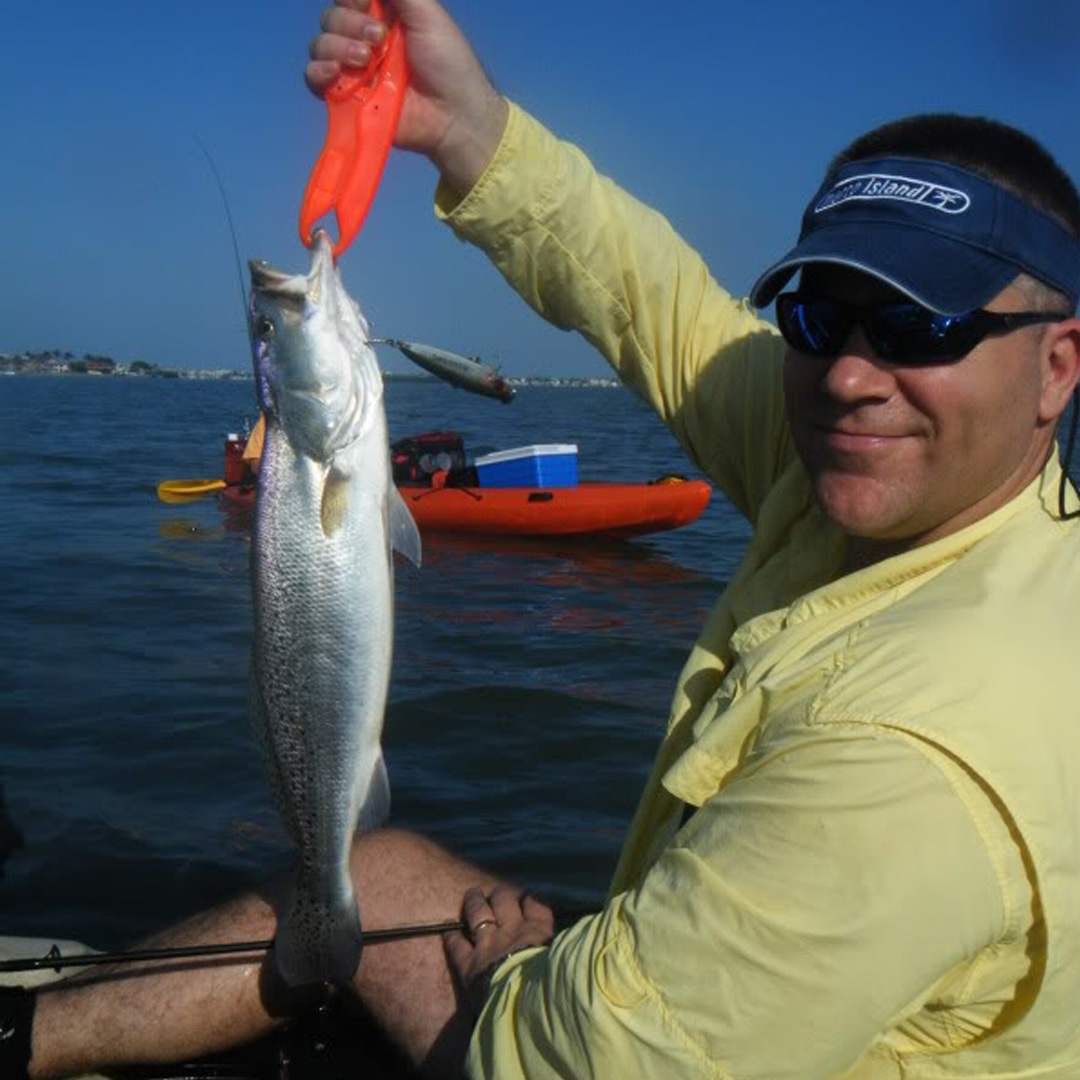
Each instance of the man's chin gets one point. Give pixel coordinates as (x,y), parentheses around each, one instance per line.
(861,507)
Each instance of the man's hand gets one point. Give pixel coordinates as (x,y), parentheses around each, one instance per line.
(498,925)
(451,112)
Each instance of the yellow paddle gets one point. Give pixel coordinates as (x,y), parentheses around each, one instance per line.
(182,491)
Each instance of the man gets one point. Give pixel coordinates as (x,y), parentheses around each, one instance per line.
(859,850)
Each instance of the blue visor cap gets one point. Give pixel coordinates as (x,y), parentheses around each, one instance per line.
(947,238)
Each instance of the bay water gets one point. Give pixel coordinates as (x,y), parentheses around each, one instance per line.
(531,679)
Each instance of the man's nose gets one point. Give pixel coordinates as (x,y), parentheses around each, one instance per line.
(857,373)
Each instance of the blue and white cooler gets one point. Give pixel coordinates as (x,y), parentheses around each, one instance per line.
(547,465)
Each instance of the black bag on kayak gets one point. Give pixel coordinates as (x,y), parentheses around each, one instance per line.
(416,458)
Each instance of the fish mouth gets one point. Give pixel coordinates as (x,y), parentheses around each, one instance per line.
(270,281)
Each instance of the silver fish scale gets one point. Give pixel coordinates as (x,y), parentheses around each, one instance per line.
(319,657)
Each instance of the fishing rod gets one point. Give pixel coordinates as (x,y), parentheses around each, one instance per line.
(232,232)
(54,960)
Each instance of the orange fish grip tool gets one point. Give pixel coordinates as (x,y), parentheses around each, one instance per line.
(362,115)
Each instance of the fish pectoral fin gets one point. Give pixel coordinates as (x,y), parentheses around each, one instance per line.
(375,811)
(404,535)
(335,502)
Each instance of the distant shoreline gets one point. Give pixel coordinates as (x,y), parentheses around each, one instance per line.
(63,364)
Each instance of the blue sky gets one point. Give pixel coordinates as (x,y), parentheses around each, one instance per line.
(720,115)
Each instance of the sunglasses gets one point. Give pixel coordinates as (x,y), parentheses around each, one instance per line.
(904,333)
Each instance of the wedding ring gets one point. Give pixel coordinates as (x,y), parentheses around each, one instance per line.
(474,930)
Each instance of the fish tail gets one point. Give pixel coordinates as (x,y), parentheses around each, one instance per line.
(318,942)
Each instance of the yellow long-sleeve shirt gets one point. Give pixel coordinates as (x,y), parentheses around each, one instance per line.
(883,877)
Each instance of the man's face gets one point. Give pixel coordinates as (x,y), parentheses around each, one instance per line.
(907,454)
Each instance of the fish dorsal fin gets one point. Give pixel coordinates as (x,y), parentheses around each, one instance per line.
(404,535)
(335,502)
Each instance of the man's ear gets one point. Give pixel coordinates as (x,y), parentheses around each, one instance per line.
(1061,367)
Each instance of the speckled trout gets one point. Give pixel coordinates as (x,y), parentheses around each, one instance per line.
(327,517)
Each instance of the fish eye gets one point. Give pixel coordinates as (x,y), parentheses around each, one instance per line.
(264,328)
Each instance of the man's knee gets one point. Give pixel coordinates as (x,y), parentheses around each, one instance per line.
(401,874)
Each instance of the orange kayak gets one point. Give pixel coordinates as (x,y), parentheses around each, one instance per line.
(590,508)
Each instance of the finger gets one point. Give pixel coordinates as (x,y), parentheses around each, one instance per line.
(538,912)
(356,25)
(506,904)
(341,50)
(459,951)
(477,913)
(319,74)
